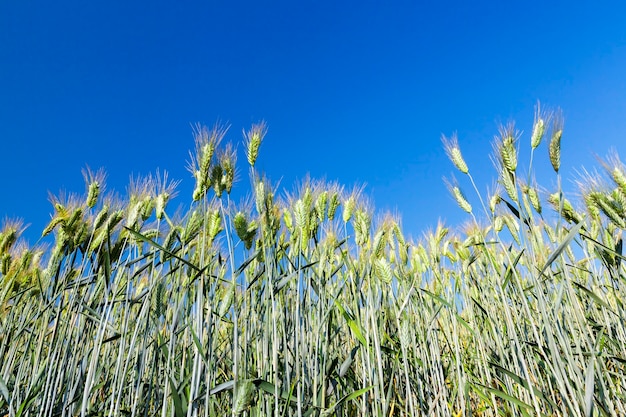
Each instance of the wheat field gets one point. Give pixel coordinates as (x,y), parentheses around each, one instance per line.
(309,303)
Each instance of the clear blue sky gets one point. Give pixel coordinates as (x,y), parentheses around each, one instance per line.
(359,92)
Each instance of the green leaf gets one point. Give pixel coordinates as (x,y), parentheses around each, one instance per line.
(354,326)
(524,383)
(199,346)
(343,369)
(33,392)
(247,262)
(285,279)
(522,406)
(222,387)
(4,390)
(290,397)
(594,296)
(179,407)
(270,388)
(345,398)
(452,310)
(161,248)
(589,387)
(509,270)
(568,239)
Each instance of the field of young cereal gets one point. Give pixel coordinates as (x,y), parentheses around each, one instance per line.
(310,304)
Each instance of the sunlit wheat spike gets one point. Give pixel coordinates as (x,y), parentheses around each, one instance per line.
(54,222)
(160,203)
(321,205)
(507,180)
(11,231)
(241,225)
(201,162)
(458,195)
(93,193)
(288,219)
(95,185)
(81,234)
(5,263)
(383,270)
(615,168)
(461,200)
(254,137)
(350,202)
(403,247)
(134,212)
(216,177)
(361,223)
(251,234)
(101,217)
(159,299)
(228,161)
(451,146)
(592,206)
(539,127)
(152,234)
(300,212)
(607,205)
(494,200)
(554,150)
(165,189)
(618,201)
(348,208)
(104,232)
(214,224)
(498,222)
(259,196)
(147,207)
(193,226)
(379,243)
(333,205)
(507,147)
(538,131)
(565,207)
(513,226)
(534,199)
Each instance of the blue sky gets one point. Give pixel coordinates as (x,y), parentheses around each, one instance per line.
(359,92)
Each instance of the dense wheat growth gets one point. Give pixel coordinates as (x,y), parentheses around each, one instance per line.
(308,303)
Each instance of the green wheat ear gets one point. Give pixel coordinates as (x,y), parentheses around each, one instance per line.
(348,208)
(539,127)
(534,199)
(228,162)
(11,231)
(615,168)
(214,224)
(202,161)
(95,184)
(93,193)
(507,180)
(451,146)
(608,206)
(333,205)
(458,195)
(568,212)
(506,146)
(554,149)
(254,137)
